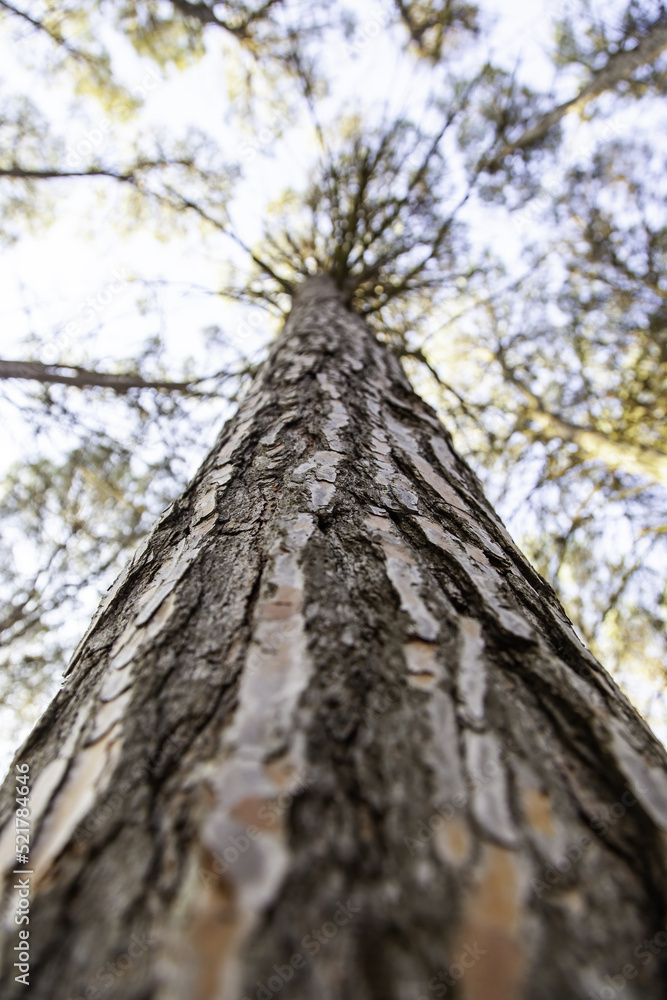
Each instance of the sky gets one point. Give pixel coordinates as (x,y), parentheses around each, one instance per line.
(85,275)
(47,279)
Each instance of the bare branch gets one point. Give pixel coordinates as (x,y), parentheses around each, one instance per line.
(121,383)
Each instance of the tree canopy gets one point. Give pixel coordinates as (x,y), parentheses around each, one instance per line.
(487,189)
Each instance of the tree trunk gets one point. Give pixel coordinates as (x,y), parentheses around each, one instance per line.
(330,736)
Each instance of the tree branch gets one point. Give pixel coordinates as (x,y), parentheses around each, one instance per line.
(39,372)
(628,456)
(620,66)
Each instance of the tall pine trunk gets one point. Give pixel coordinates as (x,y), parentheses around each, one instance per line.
(330,736)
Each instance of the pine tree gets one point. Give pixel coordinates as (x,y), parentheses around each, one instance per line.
(330,735)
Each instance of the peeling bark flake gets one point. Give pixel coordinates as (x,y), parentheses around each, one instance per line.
(471,677)
(487,776)
(89,775)
(406,579)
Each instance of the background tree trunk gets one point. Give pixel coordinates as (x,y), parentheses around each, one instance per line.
(330,735)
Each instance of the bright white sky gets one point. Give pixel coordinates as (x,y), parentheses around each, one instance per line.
(55,271)
(47,278)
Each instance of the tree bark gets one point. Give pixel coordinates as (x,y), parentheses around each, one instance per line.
(331,736)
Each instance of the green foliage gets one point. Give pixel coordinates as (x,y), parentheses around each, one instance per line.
(375,215)
(23,139)
(68,525)
(434,25)
(593,42)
